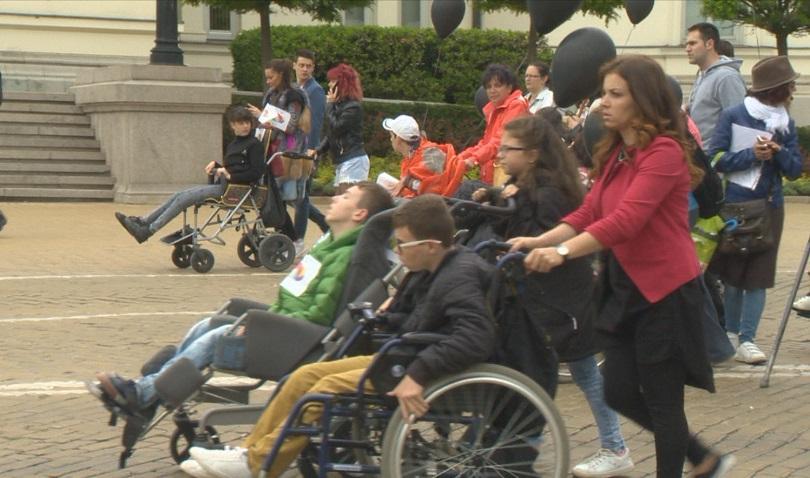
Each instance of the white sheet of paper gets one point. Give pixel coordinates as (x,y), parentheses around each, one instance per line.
(277,117)
(298,280)
(259,133)
(743,137)
(387,181)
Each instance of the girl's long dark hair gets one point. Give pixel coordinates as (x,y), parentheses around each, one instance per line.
(554,165)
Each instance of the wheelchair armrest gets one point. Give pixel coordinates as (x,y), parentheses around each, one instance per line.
(422,338)
(275,345)
(238,306)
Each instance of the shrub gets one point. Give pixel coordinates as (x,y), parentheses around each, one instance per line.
(394,63)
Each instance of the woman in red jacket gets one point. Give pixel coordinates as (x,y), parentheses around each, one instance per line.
(506,103)
(650,309)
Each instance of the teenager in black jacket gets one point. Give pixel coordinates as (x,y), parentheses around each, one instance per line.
(243,164)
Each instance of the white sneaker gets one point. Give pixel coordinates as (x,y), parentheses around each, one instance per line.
(191,467)
(734,339)
(803,304)
(228,463)
(605,463)
(749,353)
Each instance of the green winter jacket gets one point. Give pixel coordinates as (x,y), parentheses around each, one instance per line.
(318,303)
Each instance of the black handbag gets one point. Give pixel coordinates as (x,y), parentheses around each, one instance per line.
(748,227)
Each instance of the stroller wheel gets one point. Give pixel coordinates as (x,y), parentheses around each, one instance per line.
(277,252)
(248,251)
(202,260)
(181,256)
(181,441)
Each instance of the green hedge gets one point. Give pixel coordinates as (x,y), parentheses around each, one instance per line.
(394,63)
(460,125)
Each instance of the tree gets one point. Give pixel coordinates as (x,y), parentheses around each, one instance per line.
(780,17)
(323,10)
(605,9)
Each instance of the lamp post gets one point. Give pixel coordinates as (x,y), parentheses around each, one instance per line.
(166,51)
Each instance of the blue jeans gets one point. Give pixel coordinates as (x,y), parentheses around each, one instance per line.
(743,311)
(588,378)
(305,210)
(197,346)
(180,201)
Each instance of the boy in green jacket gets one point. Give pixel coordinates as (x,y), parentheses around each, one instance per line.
(311,292)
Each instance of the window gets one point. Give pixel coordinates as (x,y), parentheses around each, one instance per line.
(694,15)
(220,18)
(220,22)
(411,11)
(354,16)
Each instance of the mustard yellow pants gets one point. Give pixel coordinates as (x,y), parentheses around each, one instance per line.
(339,376)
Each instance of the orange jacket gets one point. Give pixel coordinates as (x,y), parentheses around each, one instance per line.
(423,178)
(484,152)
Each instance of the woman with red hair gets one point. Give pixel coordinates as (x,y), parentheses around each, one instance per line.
(344,137)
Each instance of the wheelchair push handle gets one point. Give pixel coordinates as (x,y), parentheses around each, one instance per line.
(511,258)
(291,155)
(362,312)
(495,245)
(463,205)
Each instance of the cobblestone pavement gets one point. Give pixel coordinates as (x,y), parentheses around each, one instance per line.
(80,296)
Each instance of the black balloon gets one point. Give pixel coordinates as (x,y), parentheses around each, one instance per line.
(549,14)
(481,99)
(576,63)
(446,16)
(592,131)
(637,10)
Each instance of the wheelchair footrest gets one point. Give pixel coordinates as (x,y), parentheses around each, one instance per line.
(179,382)
(180,237)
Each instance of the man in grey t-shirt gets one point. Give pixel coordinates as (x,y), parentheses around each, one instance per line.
(719,84)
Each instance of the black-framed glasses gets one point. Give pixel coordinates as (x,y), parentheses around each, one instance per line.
(399,245)
(506,148)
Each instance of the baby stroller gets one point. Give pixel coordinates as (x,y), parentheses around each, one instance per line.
(273,346)
(250,209)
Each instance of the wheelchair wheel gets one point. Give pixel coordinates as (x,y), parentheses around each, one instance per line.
(181,256)
(202,260)
(486,421)
(248,251)
(181,441)
(277,252)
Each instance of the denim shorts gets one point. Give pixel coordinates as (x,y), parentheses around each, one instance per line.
(353,170)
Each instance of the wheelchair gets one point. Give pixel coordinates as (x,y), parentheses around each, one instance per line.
(274,345)
(241,207)
(489,420)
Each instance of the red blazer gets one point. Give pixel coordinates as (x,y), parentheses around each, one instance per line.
(638,208)
(484,152)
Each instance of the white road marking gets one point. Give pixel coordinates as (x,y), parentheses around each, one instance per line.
(136,276)
(7,320)
(76,387)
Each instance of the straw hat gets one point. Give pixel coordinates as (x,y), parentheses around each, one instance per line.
(771,72)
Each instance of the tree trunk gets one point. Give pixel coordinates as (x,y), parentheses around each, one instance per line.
(531,55)
(781,43)
(267,46)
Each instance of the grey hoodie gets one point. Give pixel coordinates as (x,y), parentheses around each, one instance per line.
(719,87)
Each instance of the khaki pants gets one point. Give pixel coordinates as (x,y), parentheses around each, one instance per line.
(339,376)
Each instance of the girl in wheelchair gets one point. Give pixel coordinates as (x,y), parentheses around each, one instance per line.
(444,293)
(243,163)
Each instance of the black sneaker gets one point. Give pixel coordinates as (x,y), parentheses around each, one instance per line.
(138,230)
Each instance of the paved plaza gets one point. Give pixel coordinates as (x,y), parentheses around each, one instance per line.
(80,296)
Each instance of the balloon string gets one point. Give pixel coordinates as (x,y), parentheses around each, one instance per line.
(627,40)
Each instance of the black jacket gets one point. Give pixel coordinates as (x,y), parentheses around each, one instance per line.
(450,301)
(561,300)
(344,135)
(244,159)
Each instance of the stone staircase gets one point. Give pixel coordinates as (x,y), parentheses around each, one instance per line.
(48,151)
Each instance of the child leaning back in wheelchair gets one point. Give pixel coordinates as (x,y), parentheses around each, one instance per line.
(243,163)
(445,292)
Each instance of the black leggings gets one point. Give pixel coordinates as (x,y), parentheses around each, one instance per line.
(659,408)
